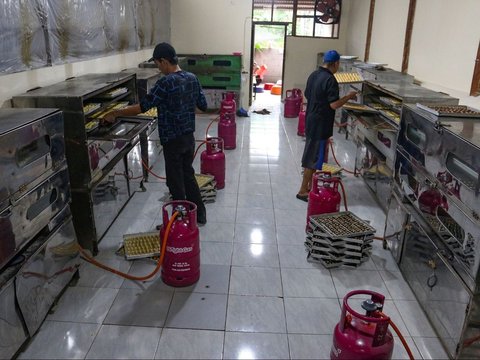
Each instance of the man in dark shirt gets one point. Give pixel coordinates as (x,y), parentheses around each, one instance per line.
(176,95)
(322,94)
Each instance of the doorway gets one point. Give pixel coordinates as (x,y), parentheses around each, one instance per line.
(268,54)
(475,89)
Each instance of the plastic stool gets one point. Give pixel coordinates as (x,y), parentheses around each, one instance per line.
(276,90)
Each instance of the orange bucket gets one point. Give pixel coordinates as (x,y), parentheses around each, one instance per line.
(276,90)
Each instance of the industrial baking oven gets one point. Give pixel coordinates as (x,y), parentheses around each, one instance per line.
(84,100)
(438,168)
(379,125)
(26,216)
(437,279)
(93,150)
(53,259)
(31,149)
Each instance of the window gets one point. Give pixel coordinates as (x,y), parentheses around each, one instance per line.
(313,18)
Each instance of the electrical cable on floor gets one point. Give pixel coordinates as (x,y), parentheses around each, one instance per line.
(92,261)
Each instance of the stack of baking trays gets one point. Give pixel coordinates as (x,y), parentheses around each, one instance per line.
(207,184)
(339,239)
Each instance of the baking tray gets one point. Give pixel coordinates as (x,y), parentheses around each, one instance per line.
(348,77)
(141,245)
(203,180)
(341,225)
(450,110)
(359,108)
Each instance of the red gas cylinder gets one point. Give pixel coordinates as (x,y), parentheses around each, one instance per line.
(363,337)
(323,197)
(228,104)
(430,199)
(301,120)
(181,265)
(290,109)
(227,130)
(212,161)
(297,94)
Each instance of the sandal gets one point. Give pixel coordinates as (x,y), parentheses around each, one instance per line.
(302,197)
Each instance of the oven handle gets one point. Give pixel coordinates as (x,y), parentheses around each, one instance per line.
(453,271)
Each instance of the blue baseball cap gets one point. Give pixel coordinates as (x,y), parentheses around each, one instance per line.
(331,56)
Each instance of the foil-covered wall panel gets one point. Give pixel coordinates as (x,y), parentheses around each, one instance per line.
(39,33)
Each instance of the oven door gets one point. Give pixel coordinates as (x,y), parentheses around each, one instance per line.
(126,129)
(30,154)
(46,273)
(26,217)
(432,272)
(395,223)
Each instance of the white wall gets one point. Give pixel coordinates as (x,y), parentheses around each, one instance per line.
(214,27)
(445,41)
(301,58)
(301,53)
(388,32)
(357,27)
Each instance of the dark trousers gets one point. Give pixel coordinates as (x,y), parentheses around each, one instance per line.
(178,154)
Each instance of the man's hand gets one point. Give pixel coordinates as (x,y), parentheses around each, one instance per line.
(109,118)
(352,95)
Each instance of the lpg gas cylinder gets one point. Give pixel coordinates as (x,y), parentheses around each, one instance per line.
(430,199)
(323,197)
(181,265)
(212,161)
(290,109)
(301,120)
(227,130)
(298,95)
(228,104)
(363,337)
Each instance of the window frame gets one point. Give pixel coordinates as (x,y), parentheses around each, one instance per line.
(334,28)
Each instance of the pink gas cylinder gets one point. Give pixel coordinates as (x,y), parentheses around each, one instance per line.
(212,161)
(290,109)
(301,120)
(430,199)
(297,94)
(227,130)
(181,264)
(323,197)
(228,104)
(363,337)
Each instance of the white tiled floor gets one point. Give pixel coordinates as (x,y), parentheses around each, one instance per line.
(257,297)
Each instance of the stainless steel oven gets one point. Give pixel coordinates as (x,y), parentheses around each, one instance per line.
(437,279)
(31,149)
(437,168)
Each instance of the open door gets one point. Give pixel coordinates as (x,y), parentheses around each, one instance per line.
(475,89)
(268,52)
